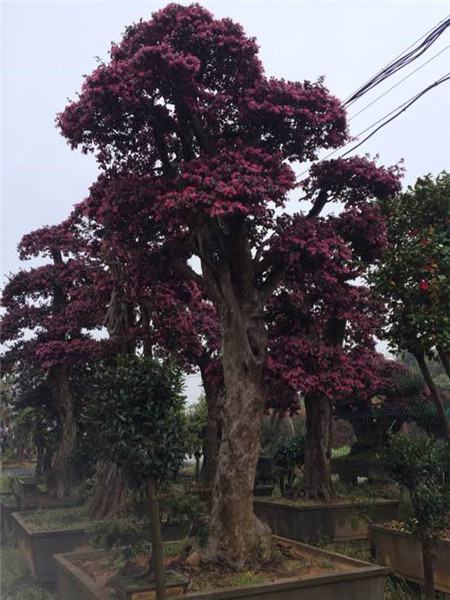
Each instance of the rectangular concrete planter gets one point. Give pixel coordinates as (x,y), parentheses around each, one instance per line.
(364,582)
(38,547)
(8,505)
(403,554)
(335,522)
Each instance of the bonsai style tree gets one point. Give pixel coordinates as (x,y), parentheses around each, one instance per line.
(376,415)
(413,278)
(418,465)
(183,116)
(138,411)
(51,311)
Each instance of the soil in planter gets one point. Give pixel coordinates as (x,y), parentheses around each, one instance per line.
(400,526)
(289,561)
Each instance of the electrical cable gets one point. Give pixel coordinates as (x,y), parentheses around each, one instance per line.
(401,53)
(398,83)
(400,63)
(402,107)
(397,111)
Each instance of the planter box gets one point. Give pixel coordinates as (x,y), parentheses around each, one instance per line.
(362,581)
(403,554)
(335,522)
(38,547)
(8,505)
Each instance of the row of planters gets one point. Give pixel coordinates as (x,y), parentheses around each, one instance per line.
(147,397)
(42,534)
(133,399)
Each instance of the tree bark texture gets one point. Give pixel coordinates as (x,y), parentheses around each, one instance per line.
(317,483)
(112,495)
(157,558)
(440,408)
(237,536)
(58,480)
(212,436)
(428,573)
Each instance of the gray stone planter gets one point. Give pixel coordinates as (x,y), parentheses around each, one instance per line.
(403,554)
(362,581)
(335,522)
(8,505)
(38,547)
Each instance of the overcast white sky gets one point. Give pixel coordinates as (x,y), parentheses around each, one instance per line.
(47,46)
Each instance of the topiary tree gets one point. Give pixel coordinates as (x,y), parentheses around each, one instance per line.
(418,465)
(413,278)
(51,312)
(138,410)
(183,116)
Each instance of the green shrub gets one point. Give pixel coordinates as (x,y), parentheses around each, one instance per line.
(418,464)
(289,455)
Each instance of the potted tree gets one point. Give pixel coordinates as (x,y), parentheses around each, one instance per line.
(138,410)
(418,464)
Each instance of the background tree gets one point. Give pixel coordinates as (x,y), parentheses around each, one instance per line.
(51,312)
(183,115)
(413,278)
(382,412)
(138,411)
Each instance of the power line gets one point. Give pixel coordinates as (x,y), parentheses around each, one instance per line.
(401,62)
(401,53)
(401,110)
(397,111)
(398,83)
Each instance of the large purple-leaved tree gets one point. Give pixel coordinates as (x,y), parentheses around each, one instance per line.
(184,115)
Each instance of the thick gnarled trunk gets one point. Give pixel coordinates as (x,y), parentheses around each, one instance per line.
(236,534)
(212,435)
(58,480)
(317,483)
(112,495)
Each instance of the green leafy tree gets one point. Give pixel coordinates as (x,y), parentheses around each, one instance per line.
(413,278)
(417,464)
(138,410)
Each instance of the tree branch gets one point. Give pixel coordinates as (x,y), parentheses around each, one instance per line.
(318,205)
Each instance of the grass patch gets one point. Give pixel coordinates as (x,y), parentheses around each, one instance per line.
(340,452)
(56,518)
(172,549)
(249,578)
(16,581)
(5,482)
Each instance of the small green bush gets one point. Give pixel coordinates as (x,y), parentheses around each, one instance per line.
(289,455)
(419,464)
